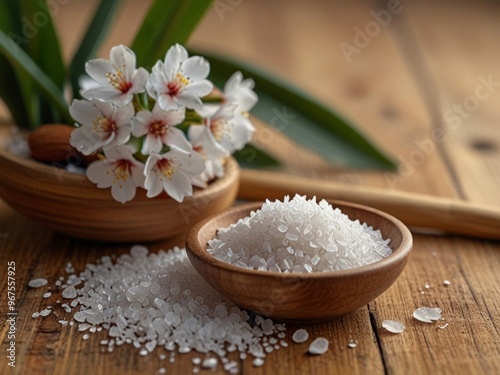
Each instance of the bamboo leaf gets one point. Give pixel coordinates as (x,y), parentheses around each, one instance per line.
(302,118)
(10,91)
(165,24)
(44,49)
(95,34)
(22,63)
(252,156)
(43,43)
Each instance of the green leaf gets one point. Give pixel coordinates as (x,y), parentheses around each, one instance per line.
(10,89)
(165,24)
(302,118)
(44,48)
(95,34)
(22,63)
(253,157)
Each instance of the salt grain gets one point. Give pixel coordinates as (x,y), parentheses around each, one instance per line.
(319,346)
(393,326)
(69,292)
(352,344)
(159,300)
(37,283)
(300,336)
(446,282)
(210,363)
(427,314)
(299,235)
(47,295)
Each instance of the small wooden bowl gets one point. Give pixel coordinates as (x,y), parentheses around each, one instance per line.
(71,204)
(301,298)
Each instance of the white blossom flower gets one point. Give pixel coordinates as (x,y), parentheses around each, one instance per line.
(120,171)
(101,125)
(240,92)
(230,129)
(159,128)
(172,172)
(118,78)
(179,81)
(213,153)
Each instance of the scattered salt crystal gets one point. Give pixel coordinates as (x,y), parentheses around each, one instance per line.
(446,282)
(300,335)
(209,363)
(35,315)
(150,300)
(393,326)
(257,362)
(352,344)
(196,360)
(444,326)
(45,312)
(47,295)
(86,336)
(37,283)
(427,314)
(319,346)
(83,327)
(162,370)
(298,235)
(69,292)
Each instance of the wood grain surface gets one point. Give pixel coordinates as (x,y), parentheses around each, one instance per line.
(424,86)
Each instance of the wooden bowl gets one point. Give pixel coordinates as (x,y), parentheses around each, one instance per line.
(69,203)
(301,298)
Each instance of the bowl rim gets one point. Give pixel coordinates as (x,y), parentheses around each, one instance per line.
(81,181)
(398,255)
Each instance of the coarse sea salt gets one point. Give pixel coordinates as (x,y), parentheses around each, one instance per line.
(318,346)
(37,283)
(427,314)
(158,300)
(299,235)
(393,326)
(300,336)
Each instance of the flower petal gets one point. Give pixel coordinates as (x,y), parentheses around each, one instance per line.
(98,69)
(173,59)
(200,88)
(99,172)
(167,103)
(123,190)
(188,100)
(196,68)
(123,58)
(85,140)
(84,111)
(178,186)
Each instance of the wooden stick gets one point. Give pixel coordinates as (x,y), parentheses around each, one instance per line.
(419,210)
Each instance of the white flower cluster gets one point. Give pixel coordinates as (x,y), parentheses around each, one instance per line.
(154,130)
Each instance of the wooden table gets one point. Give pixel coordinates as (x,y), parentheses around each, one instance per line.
(418,86)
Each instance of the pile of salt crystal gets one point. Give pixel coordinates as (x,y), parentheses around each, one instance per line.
(299,235)
(159,300)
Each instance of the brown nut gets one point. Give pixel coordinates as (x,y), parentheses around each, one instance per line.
(50,143)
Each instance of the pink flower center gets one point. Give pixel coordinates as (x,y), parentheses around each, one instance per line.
(118,81)
(165,167)
(158,128)
(104,125)
(122,170)
(219,127)
(175,87)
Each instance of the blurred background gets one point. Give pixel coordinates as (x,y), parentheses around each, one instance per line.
(420,78)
